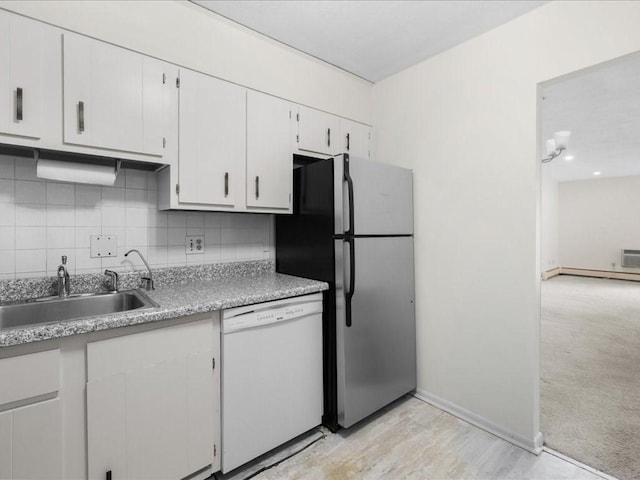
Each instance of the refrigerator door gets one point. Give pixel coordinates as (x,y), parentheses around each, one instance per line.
(377,353)
(382,198)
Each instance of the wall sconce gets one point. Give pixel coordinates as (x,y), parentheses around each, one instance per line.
(556,145)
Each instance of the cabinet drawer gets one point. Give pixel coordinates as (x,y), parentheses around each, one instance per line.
(29,375)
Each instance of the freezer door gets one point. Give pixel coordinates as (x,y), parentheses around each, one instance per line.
(377,353)
(382,198)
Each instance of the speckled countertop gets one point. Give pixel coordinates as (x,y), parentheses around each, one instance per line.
(186,292)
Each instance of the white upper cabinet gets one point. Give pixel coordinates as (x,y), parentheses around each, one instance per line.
(112,97)
(212,135)
(21,76)
(318,132)
(270,136)
(355,139)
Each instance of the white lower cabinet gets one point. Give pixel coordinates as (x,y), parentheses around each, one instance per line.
(30,425)
(152,405)
(30,441)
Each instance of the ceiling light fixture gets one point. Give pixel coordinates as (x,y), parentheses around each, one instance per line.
(556,145)
(597,173)
(568,158)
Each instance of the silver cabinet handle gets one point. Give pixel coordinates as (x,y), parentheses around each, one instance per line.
(19,95)
(226,184)
(257,187)
(80,117)
(328,137)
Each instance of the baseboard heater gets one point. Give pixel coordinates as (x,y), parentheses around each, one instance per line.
(585,272)
(631,258)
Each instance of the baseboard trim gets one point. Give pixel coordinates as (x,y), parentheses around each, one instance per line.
(551,273)
(586,272)
(533,445)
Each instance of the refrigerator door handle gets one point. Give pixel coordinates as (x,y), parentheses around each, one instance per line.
(349,181)
(352,279)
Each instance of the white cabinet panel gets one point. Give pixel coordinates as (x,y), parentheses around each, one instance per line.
(6,439)
(355,139)
(36,445)
(211,140)
(29,375)
(269,151)
(106,427)
(318,132)
(21,76)
(116,98)
(112,97)
(152,415)
(156,412)
(200,411)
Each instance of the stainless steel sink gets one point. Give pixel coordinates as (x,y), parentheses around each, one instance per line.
(55,309)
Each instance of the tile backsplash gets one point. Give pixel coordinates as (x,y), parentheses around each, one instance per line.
(42,220)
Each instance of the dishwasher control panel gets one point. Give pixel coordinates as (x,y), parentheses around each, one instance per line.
(265,314)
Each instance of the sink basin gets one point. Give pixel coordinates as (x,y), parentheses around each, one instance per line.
(55,309)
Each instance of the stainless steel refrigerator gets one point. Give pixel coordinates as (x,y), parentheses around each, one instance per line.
(352,226)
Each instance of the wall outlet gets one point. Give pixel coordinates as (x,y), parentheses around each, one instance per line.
(194,244)
(104,246)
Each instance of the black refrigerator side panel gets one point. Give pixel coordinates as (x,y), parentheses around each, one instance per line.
(304,239)
(305,248)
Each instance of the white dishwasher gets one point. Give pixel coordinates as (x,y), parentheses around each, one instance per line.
(271,376)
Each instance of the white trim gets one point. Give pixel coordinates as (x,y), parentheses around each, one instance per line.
(533,445)
(551,273)
(586,272)
(589,469)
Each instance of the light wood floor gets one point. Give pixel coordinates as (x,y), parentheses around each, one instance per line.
(413,440)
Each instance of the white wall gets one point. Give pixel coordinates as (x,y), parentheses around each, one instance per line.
(549,234)
(186,34)
(598,218)
(41,220)
(466,122)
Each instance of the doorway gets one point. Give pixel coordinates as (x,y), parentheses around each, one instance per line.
(590,313)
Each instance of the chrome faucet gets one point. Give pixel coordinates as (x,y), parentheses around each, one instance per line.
(63,278)
(113,280)
(147,282)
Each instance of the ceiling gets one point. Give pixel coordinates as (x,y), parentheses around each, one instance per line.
(371,39)
(601,108)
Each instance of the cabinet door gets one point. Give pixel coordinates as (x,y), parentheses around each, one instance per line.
(151,403)
(106,427)
(269,151)
(211,140)
(21,76)
(156,412)
(318,131)
(112,97)
(355,138)
(30,442)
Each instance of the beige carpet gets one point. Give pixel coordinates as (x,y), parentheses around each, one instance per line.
(590,369)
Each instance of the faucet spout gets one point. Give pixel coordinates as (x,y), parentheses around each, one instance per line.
(113,280)
(63,278)
(147,282)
